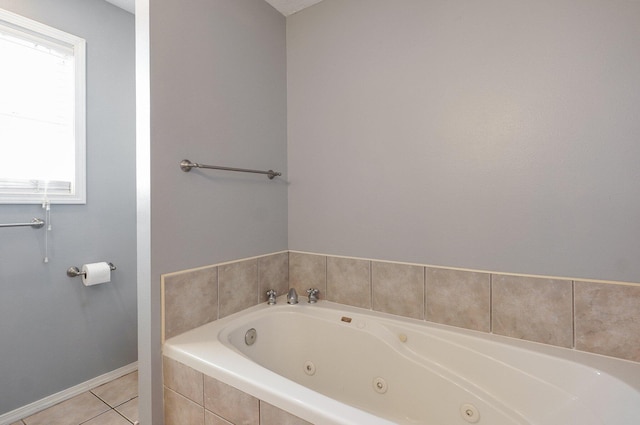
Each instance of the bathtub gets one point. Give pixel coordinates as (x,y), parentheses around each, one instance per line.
(332,364)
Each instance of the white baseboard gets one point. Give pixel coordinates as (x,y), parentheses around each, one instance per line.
(28,410)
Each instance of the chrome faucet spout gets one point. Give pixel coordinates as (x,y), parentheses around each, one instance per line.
(292,296)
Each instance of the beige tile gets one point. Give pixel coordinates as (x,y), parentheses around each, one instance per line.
(308,271)
(119,390)
(190,300)
(271,415)
(130,410)
(179,410)
(76,410)
(108,418)
(459,298)
(349,281)
(607,319)
(273,273)
(535,309)
(230,403)
(398,289)
(237,286)
(213,419)
(183,379)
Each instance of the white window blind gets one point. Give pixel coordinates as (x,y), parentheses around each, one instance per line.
(42,140)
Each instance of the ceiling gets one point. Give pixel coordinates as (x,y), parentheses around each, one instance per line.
(289,7)
(128,5)
(286,7)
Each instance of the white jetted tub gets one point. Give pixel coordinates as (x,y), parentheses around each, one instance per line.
(333,364)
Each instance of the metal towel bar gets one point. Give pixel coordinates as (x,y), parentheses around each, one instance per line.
(186,165)
(36,223)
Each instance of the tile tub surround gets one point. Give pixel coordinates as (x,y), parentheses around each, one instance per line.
(534,309)
(191,298)
(593,316)
(471,292)
(192,398)
(349,281)
(308,271)
(398,289)
(608,319)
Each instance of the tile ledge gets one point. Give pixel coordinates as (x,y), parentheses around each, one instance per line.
(224,263)
(574,279)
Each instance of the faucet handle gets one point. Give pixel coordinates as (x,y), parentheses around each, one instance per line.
(271,294)
(313,295)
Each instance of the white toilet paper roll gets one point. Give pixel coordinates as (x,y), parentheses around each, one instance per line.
(96,273)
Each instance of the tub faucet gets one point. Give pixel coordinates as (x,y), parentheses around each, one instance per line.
(313,295)
(292,296)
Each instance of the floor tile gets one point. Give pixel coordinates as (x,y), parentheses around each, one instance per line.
(118,391)
(129,410)
(108,418)
(74,411)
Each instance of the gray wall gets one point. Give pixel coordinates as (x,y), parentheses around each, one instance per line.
(56,333)
(218,96)
(493,135)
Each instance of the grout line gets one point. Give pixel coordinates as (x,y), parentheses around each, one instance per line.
(204,391)
(424,296)
(259,300)
(326,276)
(371,285)
(99,398)
(218,292)
(100,414)
(491,303)
(573,313)
(162,311)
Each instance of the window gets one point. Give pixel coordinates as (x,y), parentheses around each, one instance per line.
(42,113)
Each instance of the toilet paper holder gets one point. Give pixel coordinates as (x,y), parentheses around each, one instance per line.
(75,272)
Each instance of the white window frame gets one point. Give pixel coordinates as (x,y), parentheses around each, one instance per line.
(78,45)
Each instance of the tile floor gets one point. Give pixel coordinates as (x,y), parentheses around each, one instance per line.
(113,403)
